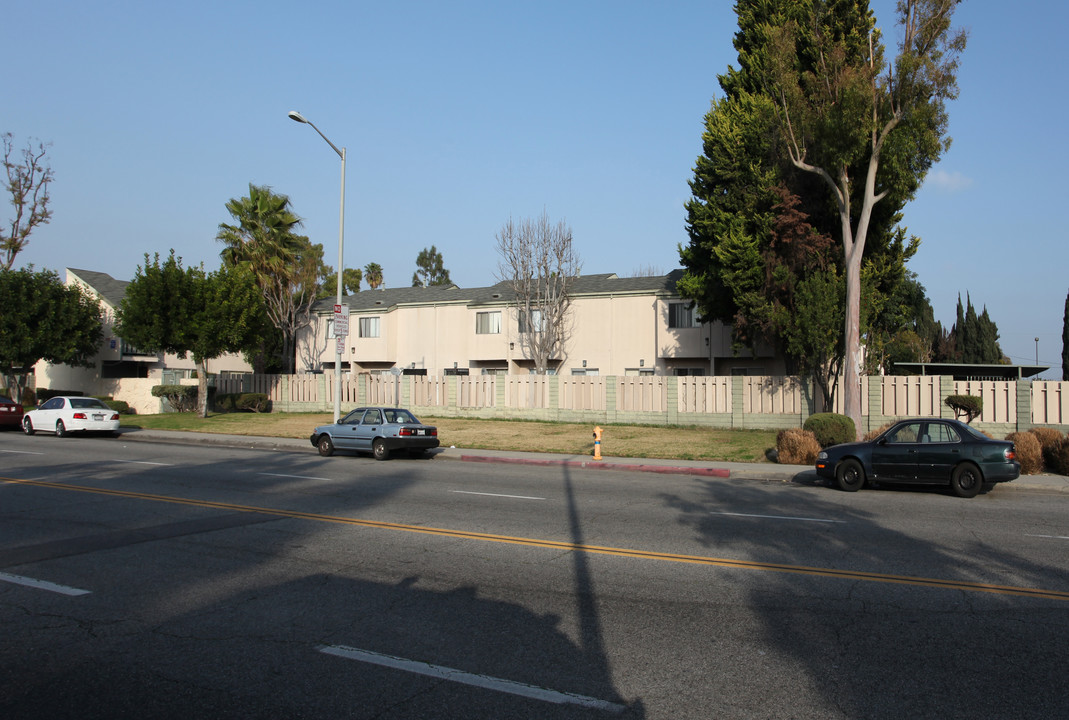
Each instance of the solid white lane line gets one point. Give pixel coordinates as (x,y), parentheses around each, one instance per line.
(145,462)
(466,678)
(42,585)
(779,517)
(515,497)
(22,452)
(295,477)
(1051,537)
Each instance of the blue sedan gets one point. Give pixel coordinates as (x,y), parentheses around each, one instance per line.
(927,451)
(377,430)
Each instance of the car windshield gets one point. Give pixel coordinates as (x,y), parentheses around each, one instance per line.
(87,403)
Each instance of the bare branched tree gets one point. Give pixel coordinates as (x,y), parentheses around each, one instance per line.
(539,263)
(27,182)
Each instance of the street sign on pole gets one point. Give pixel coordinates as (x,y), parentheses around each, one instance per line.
(341,321)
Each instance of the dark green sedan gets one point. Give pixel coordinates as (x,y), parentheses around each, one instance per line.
(928,451)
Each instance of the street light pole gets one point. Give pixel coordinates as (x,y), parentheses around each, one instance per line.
(297,117)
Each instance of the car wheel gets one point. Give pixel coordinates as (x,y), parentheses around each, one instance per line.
(850,475)
(378,449)
(61,429)
(325,445)
(966,480)
(27,426)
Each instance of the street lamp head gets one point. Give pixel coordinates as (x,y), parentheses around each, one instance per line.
(296,116)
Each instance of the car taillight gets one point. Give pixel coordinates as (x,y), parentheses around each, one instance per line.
(406,431)
(79,416)
(115,416)
(1010,454)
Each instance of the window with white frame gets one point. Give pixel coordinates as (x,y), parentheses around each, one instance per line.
(681,315)
(488,323)
(369,327)
(534,324)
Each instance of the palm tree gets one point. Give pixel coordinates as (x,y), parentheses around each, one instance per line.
(373,275)
(283,263)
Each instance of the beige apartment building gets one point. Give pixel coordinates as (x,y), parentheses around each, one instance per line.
(118,359)
(619,326)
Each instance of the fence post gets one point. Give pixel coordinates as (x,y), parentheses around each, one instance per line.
(946,389)
(610,398)
(737,416)
(671,393)
(1024,405)
(875,417)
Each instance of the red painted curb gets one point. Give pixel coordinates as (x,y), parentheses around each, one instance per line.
(595,465)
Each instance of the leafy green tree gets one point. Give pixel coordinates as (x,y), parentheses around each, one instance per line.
(758,224)
(815,335)
(373,275)
(430,269)
(287,267)
(44,319)
(171,309)
(351,279)
(27,183)
(869,132)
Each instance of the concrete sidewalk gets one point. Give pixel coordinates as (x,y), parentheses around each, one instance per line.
(804,474)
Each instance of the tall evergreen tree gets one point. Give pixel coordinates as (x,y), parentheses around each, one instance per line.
(1065,340)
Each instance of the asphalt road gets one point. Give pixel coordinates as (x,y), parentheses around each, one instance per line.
(161,581)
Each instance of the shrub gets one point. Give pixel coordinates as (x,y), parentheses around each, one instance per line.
(831,428)
(242,402)
(182,398)
(1056,458)
(1047,437)
(253,402)
(968,406)
(1029,452)
(797,447)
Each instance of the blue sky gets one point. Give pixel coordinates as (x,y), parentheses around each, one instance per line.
(457,115)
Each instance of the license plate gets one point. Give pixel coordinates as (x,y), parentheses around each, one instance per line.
(421,432)
(98,416)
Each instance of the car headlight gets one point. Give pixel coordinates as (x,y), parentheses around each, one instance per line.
(822,455)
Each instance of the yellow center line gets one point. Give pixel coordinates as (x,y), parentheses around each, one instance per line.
(568,546)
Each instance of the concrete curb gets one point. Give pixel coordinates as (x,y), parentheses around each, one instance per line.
(595,465)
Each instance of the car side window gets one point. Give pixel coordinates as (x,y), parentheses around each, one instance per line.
(373,417)
(53,404)
(941,433)
(909,433)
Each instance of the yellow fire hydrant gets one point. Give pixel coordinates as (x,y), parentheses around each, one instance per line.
(597,443)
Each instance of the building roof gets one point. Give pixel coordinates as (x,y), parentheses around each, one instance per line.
(973,371)
(603,284)
(105,285)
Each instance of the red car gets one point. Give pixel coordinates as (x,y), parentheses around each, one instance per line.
(10,413)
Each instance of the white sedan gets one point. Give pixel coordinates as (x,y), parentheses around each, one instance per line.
(65,415)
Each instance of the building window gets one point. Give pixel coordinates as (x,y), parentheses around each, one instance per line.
(369,327)
(488,323)
(681,315)
(536,324)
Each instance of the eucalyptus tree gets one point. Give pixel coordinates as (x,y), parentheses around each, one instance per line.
(869,130)
(430,269)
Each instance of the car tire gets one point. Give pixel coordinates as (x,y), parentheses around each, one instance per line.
(378,449)
(850,475)
(325,446)
(61,429)
(966,481)
(27,426)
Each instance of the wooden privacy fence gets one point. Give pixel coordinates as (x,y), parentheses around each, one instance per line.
(737,401)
